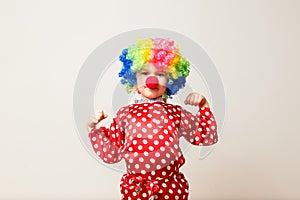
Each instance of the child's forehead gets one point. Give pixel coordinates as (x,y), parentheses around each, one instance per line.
(151,67)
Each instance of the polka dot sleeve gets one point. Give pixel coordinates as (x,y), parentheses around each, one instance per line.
(107,142)
(200,129)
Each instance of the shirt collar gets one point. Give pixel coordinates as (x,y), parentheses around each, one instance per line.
(148,100)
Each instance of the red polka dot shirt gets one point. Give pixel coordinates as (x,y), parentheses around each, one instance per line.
(146,136)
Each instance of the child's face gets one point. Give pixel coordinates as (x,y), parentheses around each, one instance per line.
(155,91)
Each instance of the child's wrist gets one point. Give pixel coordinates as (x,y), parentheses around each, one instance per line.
(203,103)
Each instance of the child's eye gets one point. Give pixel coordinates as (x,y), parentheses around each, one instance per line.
(161,74)
(144,73)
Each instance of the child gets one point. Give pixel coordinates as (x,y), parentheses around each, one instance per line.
(146,134)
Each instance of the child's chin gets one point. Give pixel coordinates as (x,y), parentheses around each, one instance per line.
(151,95)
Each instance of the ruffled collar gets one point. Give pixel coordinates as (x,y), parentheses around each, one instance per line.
(148,100)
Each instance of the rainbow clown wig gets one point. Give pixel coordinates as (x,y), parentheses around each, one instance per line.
(163,54)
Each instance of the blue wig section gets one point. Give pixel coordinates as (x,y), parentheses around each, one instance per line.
(128,77)
(174,85)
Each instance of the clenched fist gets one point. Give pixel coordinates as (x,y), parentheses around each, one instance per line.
(95,119)
(196,99)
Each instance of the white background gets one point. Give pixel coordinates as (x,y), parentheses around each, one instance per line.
(254,45)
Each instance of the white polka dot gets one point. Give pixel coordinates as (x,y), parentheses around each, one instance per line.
(170,191)
(144,130)
(163,161)
(197,138)
(138,124)
(139,114)
(162,148)
(151,148)
(161,137)
(156,142)
(199,129)
(149,125)
(166,197)
(157,154)
(130,160)
(95,146)
(139,135)
(146,153)
(152,160)
(155,131)
(150,137)
(137,166)
(133,119)
(147,166)
(213,127)
(140,147)
(134,142)
(145,141)
(167,143)
(130,149)
(158,167)
(164,185)
(166,131)
(144,195)
(94,139)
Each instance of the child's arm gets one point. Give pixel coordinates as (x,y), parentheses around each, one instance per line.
(199,129)
(106,142)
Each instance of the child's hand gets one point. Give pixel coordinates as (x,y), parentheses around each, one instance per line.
(95,119)
(196,99)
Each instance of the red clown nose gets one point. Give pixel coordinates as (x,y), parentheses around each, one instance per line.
(152,82)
